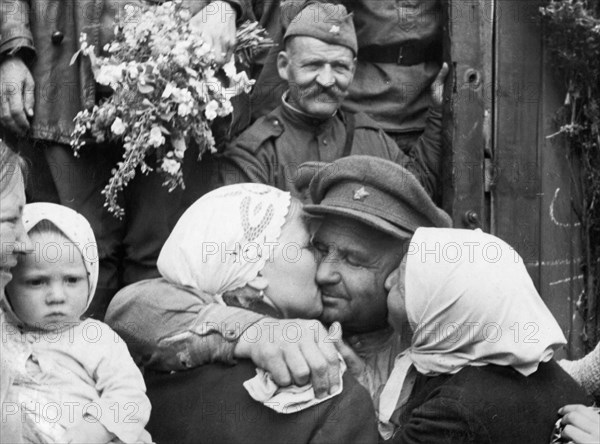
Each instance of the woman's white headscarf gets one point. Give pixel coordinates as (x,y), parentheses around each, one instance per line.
(470,302)
(225,238)
(75,228)
(221,243)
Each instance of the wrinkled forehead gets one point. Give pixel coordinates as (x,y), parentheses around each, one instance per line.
(334,225)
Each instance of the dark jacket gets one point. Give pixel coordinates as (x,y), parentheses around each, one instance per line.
(62,90)
(489,404)
(209,405)
(395,95)
(271,150)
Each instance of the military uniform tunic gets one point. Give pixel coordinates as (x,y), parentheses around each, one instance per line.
(398,58)
(272,149)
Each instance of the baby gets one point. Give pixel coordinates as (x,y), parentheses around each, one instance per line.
(74,379)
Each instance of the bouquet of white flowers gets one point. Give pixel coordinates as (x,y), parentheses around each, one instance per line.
(167,90)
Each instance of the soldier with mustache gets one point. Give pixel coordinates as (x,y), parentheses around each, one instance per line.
(318,63)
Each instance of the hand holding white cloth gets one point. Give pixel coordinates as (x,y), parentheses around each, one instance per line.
(290,399)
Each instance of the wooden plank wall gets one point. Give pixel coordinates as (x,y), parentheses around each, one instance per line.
(531,201)
(468,47)
(508,118)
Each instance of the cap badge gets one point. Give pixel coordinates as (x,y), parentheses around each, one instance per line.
(360,194)
(335,29)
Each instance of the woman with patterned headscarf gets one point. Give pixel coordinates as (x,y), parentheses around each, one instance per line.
(248,246)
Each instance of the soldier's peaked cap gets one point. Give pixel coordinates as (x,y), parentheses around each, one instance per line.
(376,192)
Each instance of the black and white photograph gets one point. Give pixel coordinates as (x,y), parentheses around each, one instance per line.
(300,221)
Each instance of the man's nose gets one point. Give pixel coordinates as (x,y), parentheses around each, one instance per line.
(327,271)
(56,294)
(325,78)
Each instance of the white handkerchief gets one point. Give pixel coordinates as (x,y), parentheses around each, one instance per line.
(290,399)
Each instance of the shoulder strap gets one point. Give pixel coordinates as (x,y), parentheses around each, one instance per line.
(255,135)
(350,125)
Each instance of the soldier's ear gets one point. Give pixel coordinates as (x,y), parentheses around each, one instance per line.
(283,62)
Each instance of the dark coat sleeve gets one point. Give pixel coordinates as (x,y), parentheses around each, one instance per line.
(426,154)
(238,165)
(15,32)
(210,405)
(251,157)
(442,420)
(487,404)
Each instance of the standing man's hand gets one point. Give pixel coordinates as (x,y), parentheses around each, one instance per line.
(216,25)
(294,351)
(437,87)
(16,95)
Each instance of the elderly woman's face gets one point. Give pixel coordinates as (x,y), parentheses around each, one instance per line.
(291,273)
(13,239)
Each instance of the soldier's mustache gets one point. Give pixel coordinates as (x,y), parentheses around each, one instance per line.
(332,92)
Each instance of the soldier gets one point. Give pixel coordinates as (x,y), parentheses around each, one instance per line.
(399,54)
(319,63)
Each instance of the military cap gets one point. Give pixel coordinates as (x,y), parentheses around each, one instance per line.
(328,22)
(376,192)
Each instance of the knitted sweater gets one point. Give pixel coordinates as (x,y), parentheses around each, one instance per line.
(586,371)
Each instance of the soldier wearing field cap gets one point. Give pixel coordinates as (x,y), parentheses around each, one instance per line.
(318,64)
(376,192)
(399,54)
(370,208)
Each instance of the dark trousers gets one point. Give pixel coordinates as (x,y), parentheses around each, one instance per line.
(128,247)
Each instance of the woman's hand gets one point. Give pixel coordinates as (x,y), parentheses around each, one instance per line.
(294,351)
(437,87)
(581,424)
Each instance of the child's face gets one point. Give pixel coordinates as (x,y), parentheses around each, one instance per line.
(49,289)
